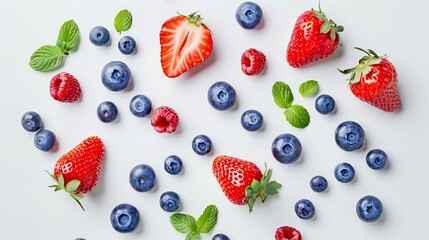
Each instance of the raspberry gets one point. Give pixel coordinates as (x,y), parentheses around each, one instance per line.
(64,88)
(252,62)
(287,233)
(164,119)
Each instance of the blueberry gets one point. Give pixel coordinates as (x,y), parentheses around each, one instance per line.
(286,148)
(169,201)
(318,183)
(125,218)
(220,236)
(376,159)
(80,239)
(344,172)
(140,106)
(173,164)
(251,120)
(248,15)
(142,178)
(31,121)
(221,95)
(369,208)
(201,144)
(107,111)
(44,140)
(304,209)
(324,104)
(99,36)
(116,76)
(349,136)
(127,45)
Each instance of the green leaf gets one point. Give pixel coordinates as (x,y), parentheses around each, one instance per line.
(207,220)
(46,58)
(297,116)
(123,21)
(183,223)
(72,186)
(325,28)
(309,88)
(60,180)
(282,95)
(272,188)
(68,37)
(192,236)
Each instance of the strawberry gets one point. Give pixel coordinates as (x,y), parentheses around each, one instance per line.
(252,62)
(287,233)
(375,81)
(185,42)
(64,87)
(242,182)
(314,37)
(77,171)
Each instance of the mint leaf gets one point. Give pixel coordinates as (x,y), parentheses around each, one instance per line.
(46,58)
(207,220)
(297,116)
(183,223)
(123,21)
(282,95)
(309,88)
(68,37)
(192,236)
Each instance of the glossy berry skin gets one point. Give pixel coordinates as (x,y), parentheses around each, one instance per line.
(344,172)
(107,111)
(252,62)
(369,208)
(201,144)
(220,236)
(376,159)
(140,105)
(287,233)
(125,218)
(31,121)
(44,140)
(252,120)
(164,120)
(116,76)
(127,45)
(324,104)
(286,148)
(248,15)
(304,209)
(221,95)
(64,87)
(99,36)
(349,136)
(173,164)
(142,178)
(318,183)
(169,201)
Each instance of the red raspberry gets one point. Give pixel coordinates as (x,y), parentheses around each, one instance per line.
(164,119)
(287,233)
(252,62)
(64,88)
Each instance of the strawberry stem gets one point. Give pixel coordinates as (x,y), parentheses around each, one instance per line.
(70,187)
(328,26)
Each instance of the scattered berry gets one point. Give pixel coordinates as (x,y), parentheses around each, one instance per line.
(318,183)
(125,218)
(140,106)
(127,45)
(142,178)
(349,136)
(44,140)
(116,76)
(220,236)
(107,111)
(164,120)
(286,148)
(251,120)
(324,104)
(221,95)
(304,209)
(252,62)
(99,36)
(369,208)
(376,159)
(344,172)
(169,201)
(64,87)
(248,15)
(31,121)
(287,233)
(173,164)
(201,144)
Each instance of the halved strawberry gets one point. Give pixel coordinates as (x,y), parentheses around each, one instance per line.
(185,42)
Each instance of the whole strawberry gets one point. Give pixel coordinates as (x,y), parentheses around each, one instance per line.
(375,81)
(78,170)
(242,182)
(185,42)
(64,87)
(314,37)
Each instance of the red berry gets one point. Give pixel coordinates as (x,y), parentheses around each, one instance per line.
(287,233)
(164,119)
(252,62)
(64,88)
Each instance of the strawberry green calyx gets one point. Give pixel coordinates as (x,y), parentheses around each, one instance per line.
(193,18)
(70,187)
(261,189)
(328,26)
(363,68)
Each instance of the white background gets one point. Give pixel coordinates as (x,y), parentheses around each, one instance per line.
(30,210)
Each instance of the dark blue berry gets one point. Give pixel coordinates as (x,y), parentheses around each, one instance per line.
(201,144)
(221,95)
(125,218)
(286,148)
(116,76)
(31,121)
(349,136)
(324,104)
(169,201)
(251,120)
(44,140)
(304,209)
(369,208)
(127,45)
(220,236)
(140,106)
(142,178)
(107,111)
(248,15)
(318,183)
(344,172)
(173,164)
(376,159)
(99,36)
